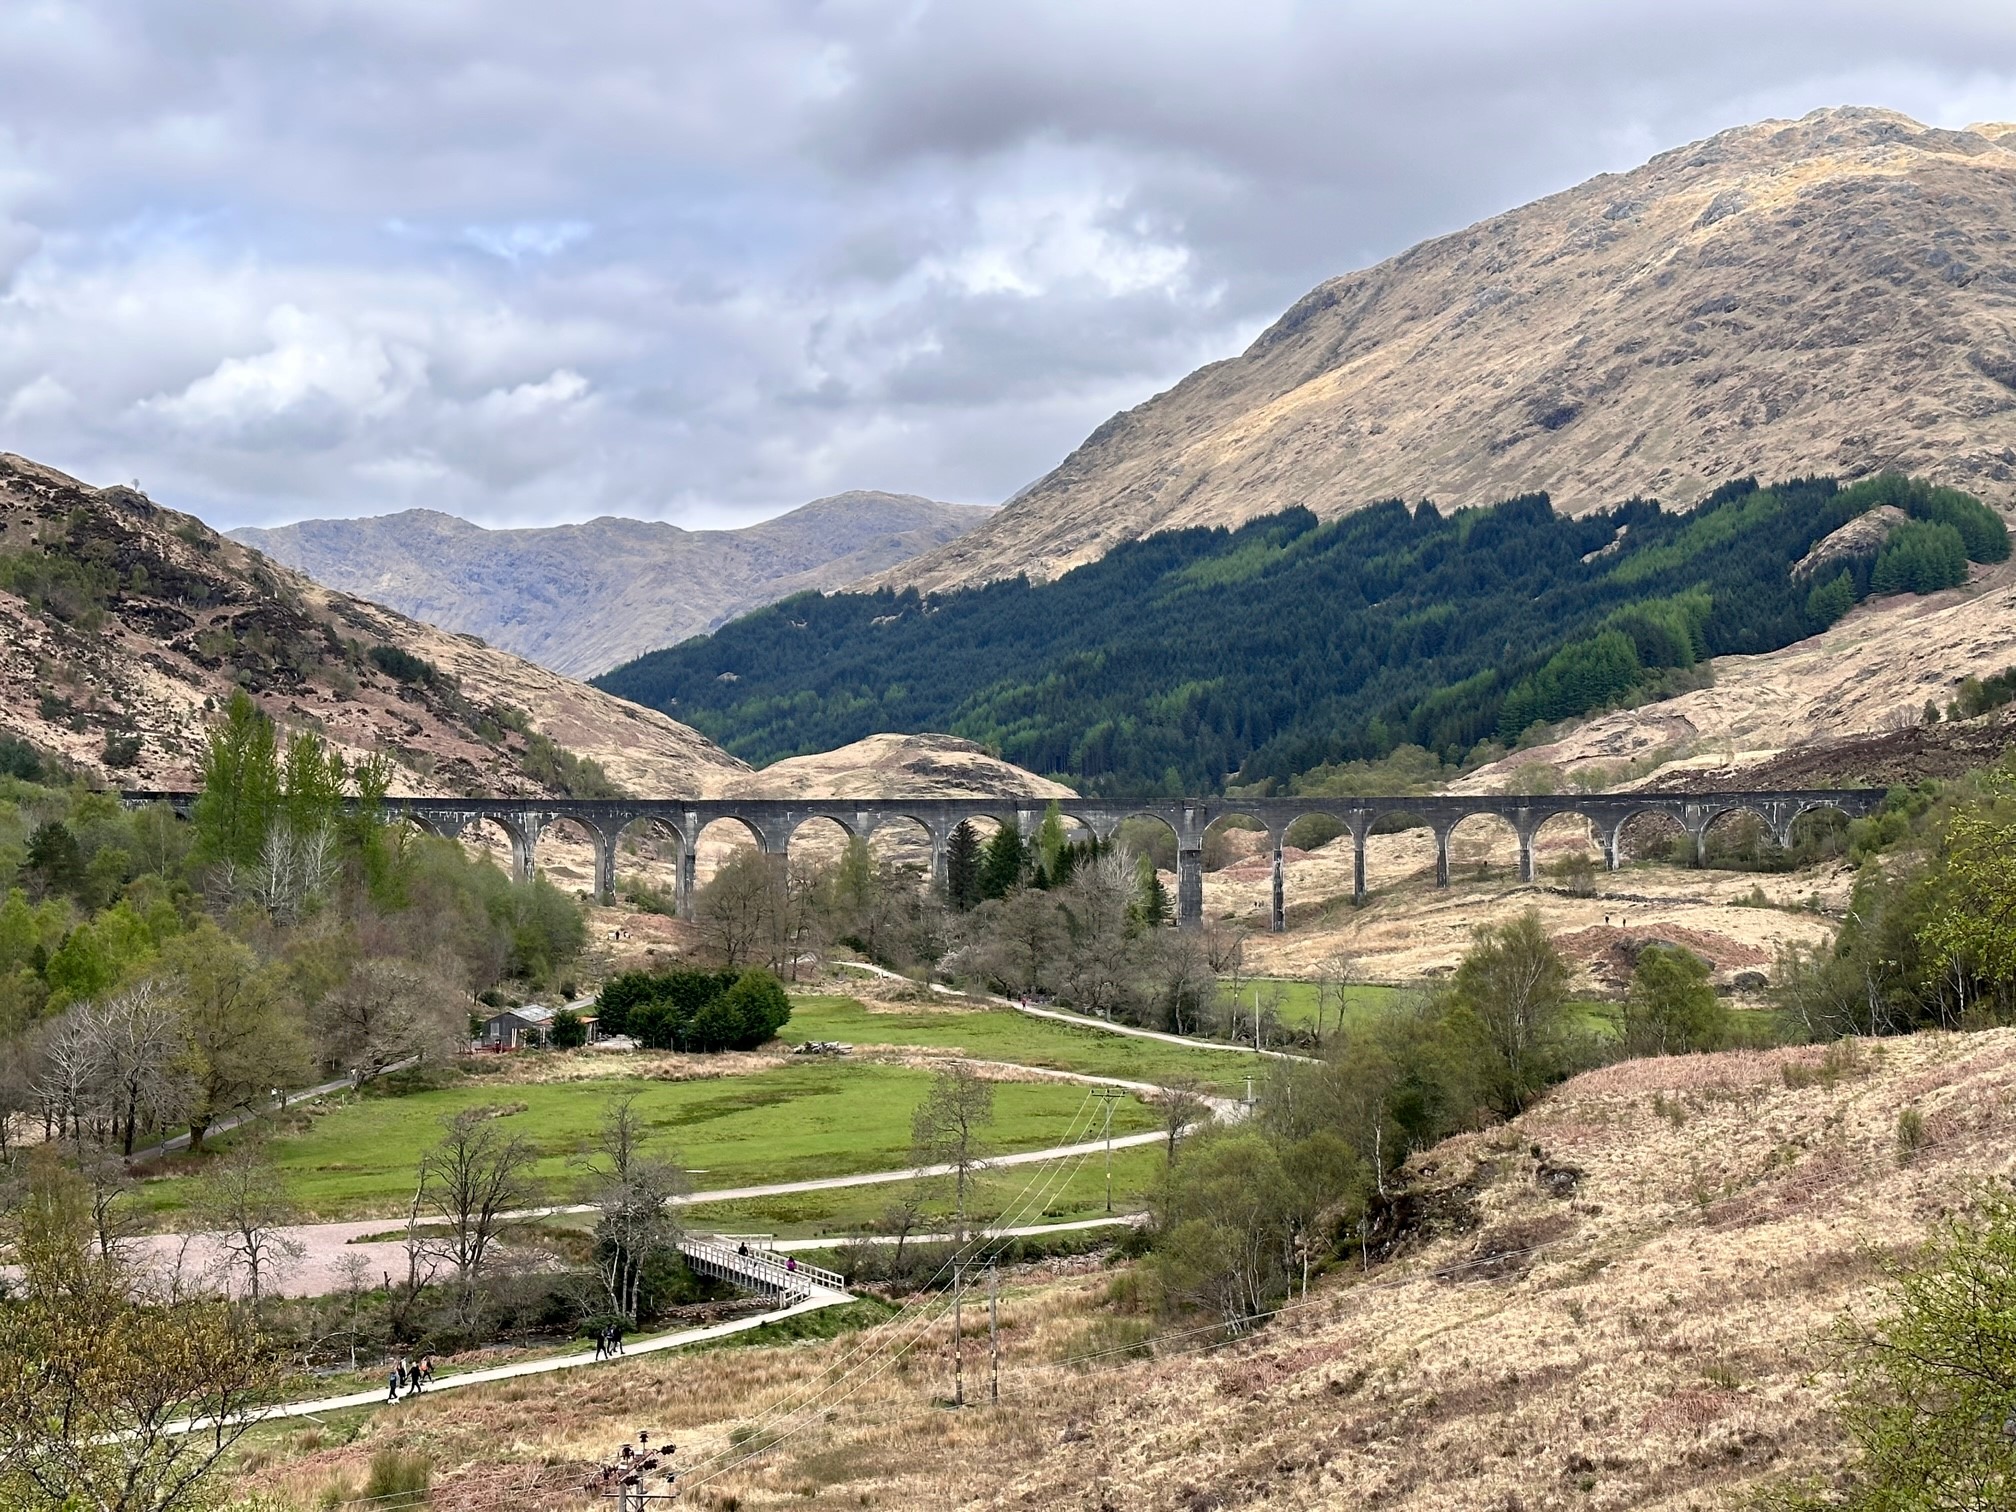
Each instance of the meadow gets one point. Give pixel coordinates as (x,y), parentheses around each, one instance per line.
(1002,1034)
(1054,1192)
(792,1122)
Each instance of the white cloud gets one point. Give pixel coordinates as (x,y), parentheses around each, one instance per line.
(708,261)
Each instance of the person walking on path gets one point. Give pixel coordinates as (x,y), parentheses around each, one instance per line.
(392,1384)
(601,1343)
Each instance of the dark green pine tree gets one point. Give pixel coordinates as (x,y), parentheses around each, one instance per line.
(962,868)
(1002,863)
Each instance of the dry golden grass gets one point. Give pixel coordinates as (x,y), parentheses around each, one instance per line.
(1620,1301)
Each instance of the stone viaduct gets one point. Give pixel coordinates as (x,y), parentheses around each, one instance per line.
(771,822)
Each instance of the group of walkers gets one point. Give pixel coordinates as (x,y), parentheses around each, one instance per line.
(609,1342)
(408,1377)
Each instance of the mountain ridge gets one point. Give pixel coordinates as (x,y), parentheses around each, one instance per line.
(1825,295)
(127,624)
(580,598)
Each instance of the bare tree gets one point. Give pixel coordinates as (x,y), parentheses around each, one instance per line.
(1183,978)
(949,1129)
(1182,1104)
(1334,975)
(103,1368)
(633,1194)
(386,1012)
(294,870)
(137,1035)
(1102,957)
(733,913)
(421,1264)
(242,1198)
(472,1179)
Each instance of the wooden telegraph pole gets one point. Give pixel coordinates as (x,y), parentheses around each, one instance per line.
(958,1340)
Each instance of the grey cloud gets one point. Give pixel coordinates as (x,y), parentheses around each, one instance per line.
(707,260)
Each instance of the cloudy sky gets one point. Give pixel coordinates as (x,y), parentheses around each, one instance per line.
(703,260)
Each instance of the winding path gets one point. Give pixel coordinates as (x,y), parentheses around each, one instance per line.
(1081,1021)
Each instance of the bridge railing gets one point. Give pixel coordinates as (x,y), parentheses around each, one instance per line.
(757,1269)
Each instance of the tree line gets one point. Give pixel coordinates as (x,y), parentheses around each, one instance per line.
(1200,657)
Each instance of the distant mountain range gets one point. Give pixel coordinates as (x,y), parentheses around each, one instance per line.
(579,599)
(1832,295)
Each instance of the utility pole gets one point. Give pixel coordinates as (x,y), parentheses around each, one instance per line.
(1109,1096)
(958,1342)
(994,1335)
(626,1478)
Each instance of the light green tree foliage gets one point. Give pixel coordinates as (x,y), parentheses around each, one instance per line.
(1931,1395)
(1671,1009)
(1051,844)
(311,785)
(96,1369)
(239,1038)
(1973,919)
(1510,1001)
(1220,1248)
(97,956)
(241,787)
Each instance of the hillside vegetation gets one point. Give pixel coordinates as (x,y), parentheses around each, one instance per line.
(1259,654)
(124,625)
(1827,295)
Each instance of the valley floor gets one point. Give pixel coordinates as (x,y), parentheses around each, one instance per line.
(1618,1300)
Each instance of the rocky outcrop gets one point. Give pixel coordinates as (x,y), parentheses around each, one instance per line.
(1829,295)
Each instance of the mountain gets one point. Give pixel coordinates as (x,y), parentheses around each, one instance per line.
(124,625)
(1829,295)
(582,598)
(1268,653)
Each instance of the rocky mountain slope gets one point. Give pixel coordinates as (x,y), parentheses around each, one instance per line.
(1829,295)
(898,766)
(582,598)
(124,625)
(1843,706)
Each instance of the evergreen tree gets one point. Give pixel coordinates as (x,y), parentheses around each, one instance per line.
(55,862)
(241,786)
(1828,602)
(1001,863)
(962,867)
(1051,849)
(1150,907)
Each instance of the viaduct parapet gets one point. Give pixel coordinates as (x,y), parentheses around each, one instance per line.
(771,822)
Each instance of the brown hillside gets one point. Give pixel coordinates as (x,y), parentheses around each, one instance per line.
(1826,295)
(1620,1300)
(1843,706)
(133,620)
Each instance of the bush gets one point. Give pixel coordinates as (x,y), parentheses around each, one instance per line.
(568,1032)
(404,666)
(695,1010)
(394,1472)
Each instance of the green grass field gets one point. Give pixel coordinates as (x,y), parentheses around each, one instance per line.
(1295,1002)
(1060,1192)
(829,1118)
(1005,1035)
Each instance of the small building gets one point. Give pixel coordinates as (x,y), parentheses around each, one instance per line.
(523,1028)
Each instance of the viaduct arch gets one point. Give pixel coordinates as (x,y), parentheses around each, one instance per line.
(774,820)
